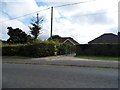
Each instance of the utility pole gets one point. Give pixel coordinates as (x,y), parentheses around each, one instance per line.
(37,19)
(51,23)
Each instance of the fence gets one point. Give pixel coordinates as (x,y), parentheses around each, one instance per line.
(98,49)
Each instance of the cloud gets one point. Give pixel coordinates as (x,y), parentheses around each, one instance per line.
(87,21)
(97,18)
(17,9)
(14,24)
(13,9)
(113,29)
(70,21)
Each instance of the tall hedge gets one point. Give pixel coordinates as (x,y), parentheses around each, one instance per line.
(98,49)
(31,50)
(66,49)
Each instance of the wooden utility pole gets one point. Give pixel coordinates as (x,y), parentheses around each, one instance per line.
(51,23)
(37,19)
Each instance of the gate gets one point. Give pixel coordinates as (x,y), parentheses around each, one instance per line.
(70,50)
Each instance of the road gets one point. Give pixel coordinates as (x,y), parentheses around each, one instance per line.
(51,76)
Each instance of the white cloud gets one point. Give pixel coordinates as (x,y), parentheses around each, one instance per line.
(17,9)
(14,24)
(73,21)
(13,9)
(76,22)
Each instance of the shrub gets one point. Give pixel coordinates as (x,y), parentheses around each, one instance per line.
(10,50)
(66,49)
(39,49)
(61,49)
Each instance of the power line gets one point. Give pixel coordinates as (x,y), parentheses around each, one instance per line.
(47,9)
(72,4)
(58,7)
(25,15)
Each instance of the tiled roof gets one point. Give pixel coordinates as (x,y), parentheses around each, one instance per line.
(106,38)
(64,39)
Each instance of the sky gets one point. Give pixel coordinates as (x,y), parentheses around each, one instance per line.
(83,22)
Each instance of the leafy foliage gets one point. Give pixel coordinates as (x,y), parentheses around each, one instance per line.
(37,49)
(35,28)
(66,49)
(54,37)
(18,36)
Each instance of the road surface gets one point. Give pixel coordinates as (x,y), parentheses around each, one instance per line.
(51,76)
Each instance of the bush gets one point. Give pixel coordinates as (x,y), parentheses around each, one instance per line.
(40,49)
(61,49)
(66,49)
(10,50)
(37,49)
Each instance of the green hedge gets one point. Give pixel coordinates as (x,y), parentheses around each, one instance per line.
(31,50)
(98,49)
(66,49)
(37,49)
(10,50)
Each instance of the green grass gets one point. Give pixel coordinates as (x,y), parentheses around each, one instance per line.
(15,57)
(82,57)
(100,58)
(0,44)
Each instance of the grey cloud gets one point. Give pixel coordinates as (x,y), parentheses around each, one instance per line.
(93,18)
(4,33)
(114,30)
(43,37)
(118,29)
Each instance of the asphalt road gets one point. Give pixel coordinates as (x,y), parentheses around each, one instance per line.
(48,76)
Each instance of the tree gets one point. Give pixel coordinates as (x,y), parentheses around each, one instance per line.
(36,27)
(18,36)
(55,37)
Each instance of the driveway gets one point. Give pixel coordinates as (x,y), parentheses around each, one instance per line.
(65,61)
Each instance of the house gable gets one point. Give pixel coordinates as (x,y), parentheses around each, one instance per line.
(65,40)
(68,41)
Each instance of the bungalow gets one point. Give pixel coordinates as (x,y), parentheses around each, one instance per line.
(65,40)
(107,38)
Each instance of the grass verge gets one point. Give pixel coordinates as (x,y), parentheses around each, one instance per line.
(100,58)
(61,65)
(15,57)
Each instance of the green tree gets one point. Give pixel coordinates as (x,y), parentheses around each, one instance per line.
(36,27)
(18,36)
(55,38)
